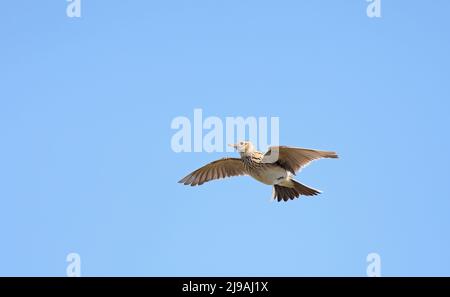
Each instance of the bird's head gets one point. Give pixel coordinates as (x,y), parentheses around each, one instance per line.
(243,147)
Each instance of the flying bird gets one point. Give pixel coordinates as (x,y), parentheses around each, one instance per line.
(275,167)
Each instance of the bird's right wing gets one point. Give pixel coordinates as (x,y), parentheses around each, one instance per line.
(294,158)
(222,168)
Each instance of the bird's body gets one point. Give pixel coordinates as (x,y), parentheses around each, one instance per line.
(276,167)
(267,173)
(270,175)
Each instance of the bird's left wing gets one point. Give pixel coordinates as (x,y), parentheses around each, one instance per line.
(222,168)
(292,158)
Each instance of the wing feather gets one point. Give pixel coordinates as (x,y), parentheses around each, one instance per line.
(292,158)
(222,168)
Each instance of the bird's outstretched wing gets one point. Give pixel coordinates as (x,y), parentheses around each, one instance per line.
(222,168)
(292,158)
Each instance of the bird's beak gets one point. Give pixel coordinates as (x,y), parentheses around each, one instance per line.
(233,145)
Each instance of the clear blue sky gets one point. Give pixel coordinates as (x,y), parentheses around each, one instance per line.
(86,164)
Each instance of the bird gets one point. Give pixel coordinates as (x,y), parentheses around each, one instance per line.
(277,167)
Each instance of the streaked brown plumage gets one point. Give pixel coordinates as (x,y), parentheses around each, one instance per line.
(276,167)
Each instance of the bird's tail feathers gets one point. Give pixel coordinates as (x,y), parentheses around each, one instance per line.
(294,190)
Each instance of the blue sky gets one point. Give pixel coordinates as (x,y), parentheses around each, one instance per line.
(86,164)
